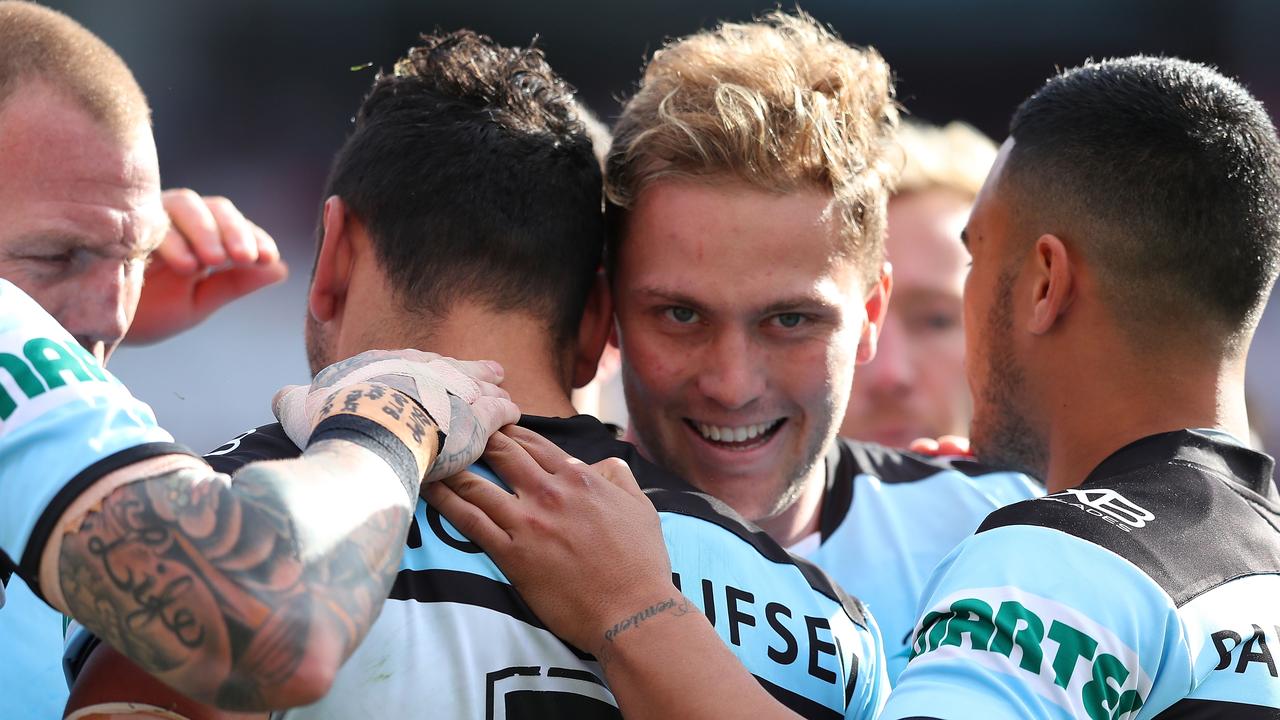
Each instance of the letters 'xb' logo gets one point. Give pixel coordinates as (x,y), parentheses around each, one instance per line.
(1114,505)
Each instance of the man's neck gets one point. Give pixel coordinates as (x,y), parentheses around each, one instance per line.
(801,519)
(518,342)
(1115,411)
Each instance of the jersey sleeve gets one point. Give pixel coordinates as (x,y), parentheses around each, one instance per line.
(1029,622)
(64,423)
(871,688)
(266,442)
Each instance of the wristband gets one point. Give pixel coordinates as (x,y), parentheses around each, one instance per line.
(387,422)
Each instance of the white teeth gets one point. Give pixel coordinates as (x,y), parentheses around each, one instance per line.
(720,433)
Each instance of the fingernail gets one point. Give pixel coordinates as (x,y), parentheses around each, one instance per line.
(497,368)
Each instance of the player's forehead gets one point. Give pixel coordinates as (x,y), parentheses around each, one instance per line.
(732,242)
(923,241)
(69,181)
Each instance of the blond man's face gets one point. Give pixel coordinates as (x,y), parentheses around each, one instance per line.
(739,325)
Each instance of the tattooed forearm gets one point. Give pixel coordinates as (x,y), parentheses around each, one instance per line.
(674,607)
(205,583)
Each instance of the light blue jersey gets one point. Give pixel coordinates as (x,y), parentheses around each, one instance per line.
(889,517)
(1151,590)
(64,422)
(32,682)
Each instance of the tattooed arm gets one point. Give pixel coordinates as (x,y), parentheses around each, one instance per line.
(248,592)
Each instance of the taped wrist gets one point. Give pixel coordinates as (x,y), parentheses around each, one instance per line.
(386,422)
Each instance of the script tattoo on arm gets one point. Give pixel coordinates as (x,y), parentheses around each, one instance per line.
(206,583)
(674,607)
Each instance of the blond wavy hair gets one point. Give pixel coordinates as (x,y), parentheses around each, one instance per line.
(781,104)
(953,157)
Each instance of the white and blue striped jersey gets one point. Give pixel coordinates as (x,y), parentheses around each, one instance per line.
(889,517)
(1152,590)
(455,640)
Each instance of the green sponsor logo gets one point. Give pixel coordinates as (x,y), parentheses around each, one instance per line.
(45,365)
(973,623)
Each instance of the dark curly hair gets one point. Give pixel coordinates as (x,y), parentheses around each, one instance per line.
(472,171)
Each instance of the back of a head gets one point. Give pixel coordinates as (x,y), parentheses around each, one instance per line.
(1166,175)
(475,177)
(780,104)
(954,157)
(39,44)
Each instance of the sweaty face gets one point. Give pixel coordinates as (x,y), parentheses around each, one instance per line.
(739,327)
(915,387)
(80,212)
(1003,431)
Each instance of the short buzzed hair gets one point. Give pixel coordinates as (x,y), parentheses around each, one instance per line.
(39,44)
(1166,175)
(781,104)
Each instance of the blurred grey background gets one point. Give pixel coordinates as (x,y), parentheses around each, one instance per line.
(252,97)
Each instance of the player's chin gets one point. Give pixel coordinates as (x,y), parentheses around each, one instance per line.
(749,496)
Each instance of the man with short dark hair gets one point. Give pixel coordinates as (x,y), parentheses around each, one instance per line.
(463,214)
(1123,248)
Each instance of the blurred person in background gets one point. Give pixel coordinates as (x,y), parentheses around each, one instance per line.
(915,387)
(463,214)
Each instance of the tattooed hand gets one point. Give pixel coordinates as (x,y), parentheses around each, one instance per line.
(461,398)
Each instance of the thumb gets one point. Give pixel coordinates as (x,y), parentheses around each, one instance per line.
(290,407)
(616,471)
(282,396)
(495,412)
(224,286)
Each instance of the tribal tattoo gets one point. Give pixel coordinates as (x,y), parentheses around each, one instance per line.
(205,583)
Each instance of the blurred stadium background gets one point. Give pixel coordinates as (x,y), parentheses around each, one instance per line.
(252,97)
